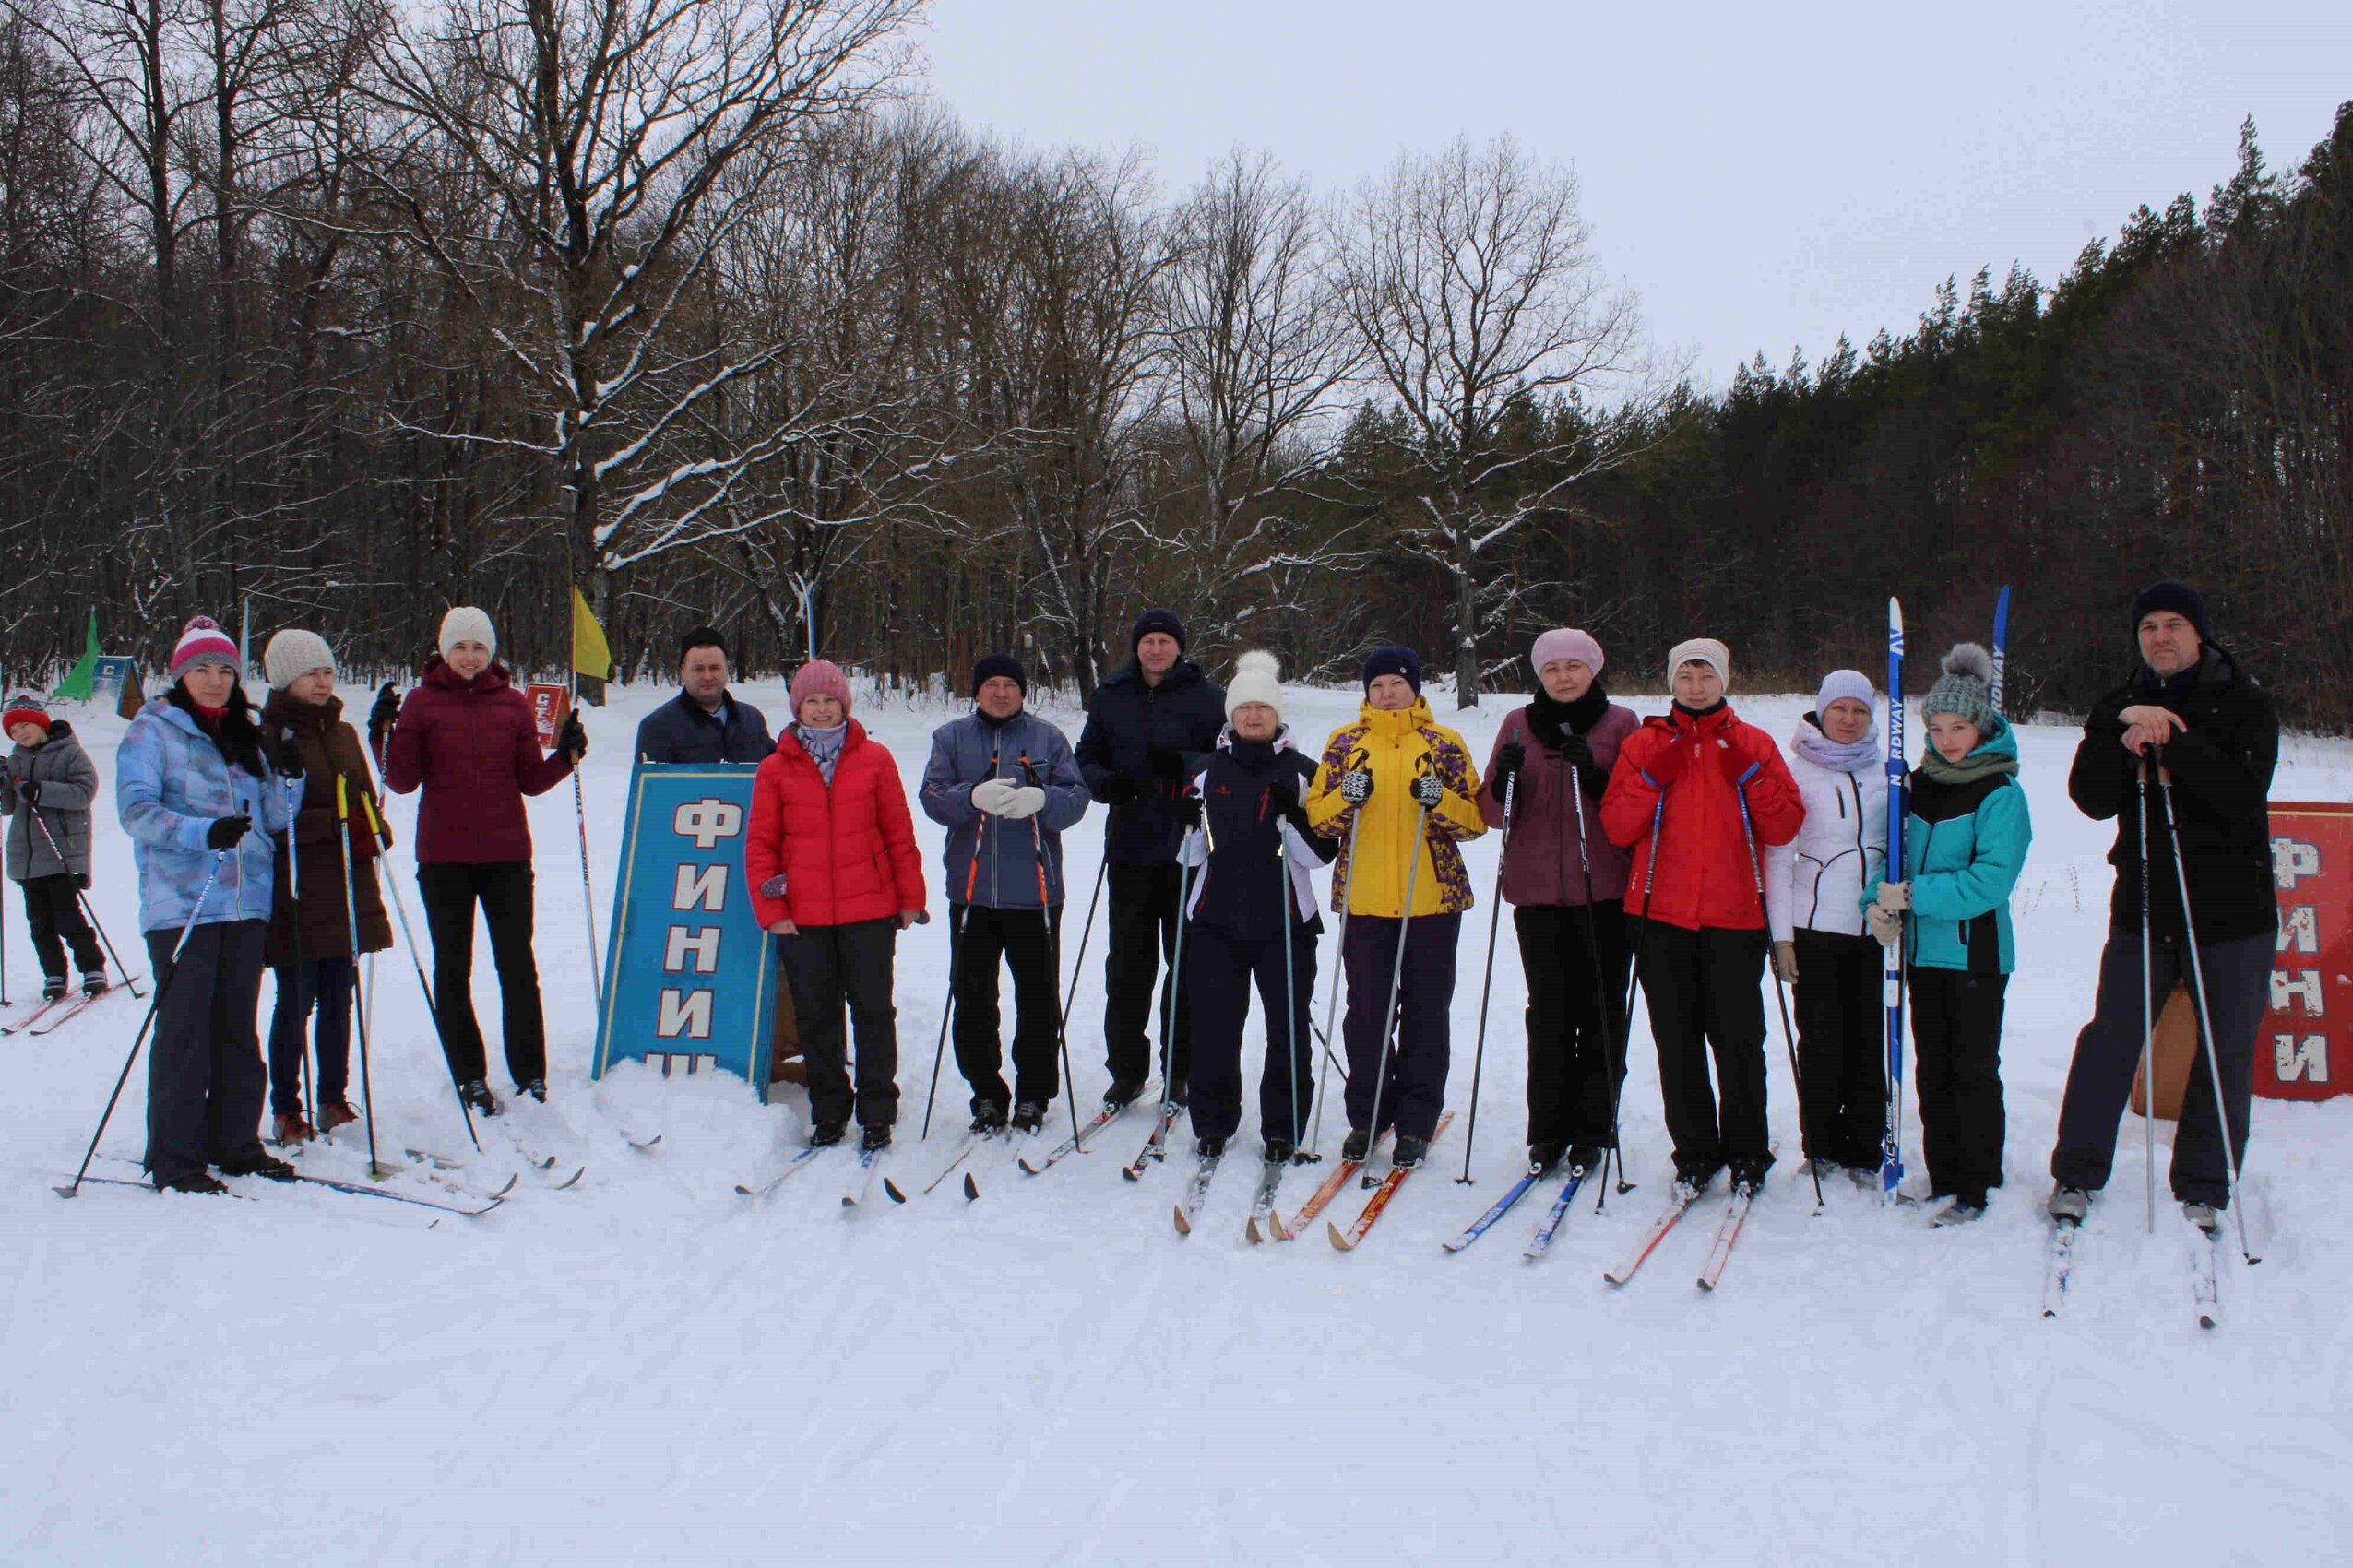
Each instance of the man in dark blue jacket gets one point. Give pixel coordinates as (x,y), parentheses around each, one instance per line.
(705,723)
(1149,729)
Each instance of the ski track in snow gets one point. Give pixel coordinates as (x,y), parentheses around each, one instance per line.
(650,1368)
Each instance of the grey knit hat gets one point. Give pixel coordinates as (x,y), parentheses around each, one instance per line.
(294,653)
(1965,688)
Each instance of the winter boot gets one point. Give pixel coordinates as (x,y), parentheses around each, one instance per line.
(1280,1151)
(988,1117)
(1357,1145)
(93,982)
(290,1129)
(2069,1203)
(334,1113)
(2202,1216)
(1960,1211)
(1543,1157)
(204,1183)
(825,1134)
(873,1139)
(537,1089)
(267,1166)
(1210,1148)
(1409,1153)
(476,1097)
(1122,1091)
(53,988)
(1028,1116)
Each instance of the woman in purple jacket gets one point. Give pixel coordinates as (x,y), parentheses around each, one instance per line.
(1567,885)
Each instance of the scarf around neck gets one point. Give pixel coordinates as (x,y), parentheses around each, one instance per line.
(1970,769)
(1823,751)
(824,747)
(1549,720)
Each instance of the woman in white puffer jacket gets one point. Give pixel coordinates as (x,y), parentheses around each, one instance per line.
(1812,887)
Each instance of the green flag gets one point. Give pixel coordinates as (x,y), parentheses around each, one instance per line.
(80,681)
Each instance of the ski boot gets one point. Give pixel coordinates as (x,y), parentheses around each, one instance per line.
(1210,1148)
(204,1183)
(476,1096)
(988,1117)
(334,1113)
(93,982)
(2069,1203)
(1028,1116)
(825,1134)
(291,1129)
(1587,1158)
(1357,1145)
(53,988)
(267,1166)
(1280,1151)
(1122,1091)
(537,1089)
(874,1139)
(1543,1157)
(1409,1153)
(1960,1211)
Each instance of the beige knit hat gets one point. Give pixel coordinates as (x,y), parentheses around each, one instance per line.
(294,653)
(466,624)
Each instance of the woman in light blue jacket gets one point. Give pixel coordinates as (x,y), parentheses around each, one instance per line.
(1965,846)
(194,790)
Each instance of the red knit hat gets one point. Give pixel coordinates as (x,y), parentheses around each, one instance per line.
(24,708)
(820,676)
(202,642)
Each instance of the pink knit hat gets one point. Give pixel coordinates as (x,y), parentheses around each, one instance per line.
(202,642)
(820,677)
(1564,641)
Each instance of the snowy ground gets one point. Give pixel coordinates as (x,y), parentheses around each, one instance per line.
(651,1370)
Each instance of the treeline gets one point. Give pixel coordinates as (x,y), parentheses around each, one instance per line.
(349,312)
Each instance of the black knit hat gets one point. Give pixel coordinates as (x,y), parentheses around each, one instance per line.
(1153,621)
(702,637)
(1393,661)
(989,666)
(2179,598)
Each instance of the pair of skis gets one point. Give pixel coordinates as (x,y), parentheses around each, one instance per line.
(1265,1223)
(1680,1203)
(1542,1243)
(47,1019)
(858,1193)
(2206,1271)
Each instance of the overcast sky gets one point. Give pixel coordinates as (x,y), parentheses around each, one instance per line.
(1764,176)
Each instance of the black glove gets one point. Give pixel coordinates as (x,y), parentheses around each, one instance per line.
(224,833)
(81,880)
(1188,809)
(1119,790)
(1428,791)
(1162,764)
(28,791)
(572,740)
(285,757)
(1577,749)
(1356,786)
(1510,757)
(1282,797)
(382,717)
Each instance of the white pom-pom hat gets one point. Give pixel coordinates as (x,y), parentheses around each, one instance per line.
(1257,678)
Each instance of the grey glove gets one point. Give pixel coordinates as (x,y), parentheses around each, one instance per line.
(1428,791)
(993,795)
(1356,786)
(1026,800)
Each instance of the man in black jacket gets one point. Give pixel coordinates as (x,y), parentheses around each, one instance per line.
(2190,711)
(1149,729)
(705,723)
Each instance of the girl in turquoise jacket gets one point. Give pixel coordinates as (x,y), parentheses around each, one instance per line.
(1965,846)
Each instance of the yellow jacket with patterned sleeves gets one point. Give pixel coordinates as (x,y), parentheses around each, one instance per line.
(1396,746)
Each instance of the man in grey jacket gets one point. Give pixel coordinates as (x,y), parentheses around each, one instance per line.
(1003,783)
(46,786)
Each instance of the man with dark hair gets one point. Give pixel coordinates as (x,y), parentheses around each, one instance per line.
(2191,710)
(705,723)
(1150,729)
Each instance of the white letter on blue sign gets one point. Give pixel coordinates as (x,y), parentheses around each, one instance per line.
(684,1011)
(701,941)
(707,822)
(703,887)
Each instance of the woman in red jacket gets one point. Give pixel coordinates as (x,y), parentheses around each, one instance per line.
(830,857)
(467,737)
(1699,930)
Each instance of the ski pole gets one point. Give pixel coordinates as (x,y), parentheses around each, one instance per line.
(2206,1018)
(1601,992)
(1176,980)
(351,925)
(587,889)
(2148,1012)
(88,911)
(1086,934)
(1626,1015)
(409,939)
(1052,912)
(1780,988)
(1397,970)
(162,986)
(955,934)
(1340,891)
(1294,1005)
(312,1075)
(1487,978)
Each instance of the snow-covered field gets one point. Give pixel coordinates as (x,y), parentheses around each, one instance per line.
(650,1368)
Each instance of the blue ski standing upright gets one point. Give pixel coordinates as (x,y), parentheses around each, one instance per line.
(1891,1152)
(2001,647)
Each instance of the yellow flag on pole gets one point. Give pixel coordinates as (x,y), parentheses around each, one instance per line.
(591,655)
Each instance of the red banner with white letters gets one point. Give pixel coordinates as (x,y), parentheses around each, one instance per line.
(2306,1049)
(550,705)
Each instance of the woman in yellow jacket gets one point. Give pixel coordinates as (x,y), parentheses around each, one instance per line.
(1392,767)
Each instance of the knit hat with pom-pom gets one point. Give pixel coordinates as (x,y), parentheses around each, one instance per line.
(1257,678)
(202,642)
(1965,688)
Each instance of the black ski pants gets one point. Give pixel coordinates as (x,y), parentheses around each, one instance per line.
(1842,1046)
(1146,900)
(1219,972)
(2108,1055)
(1023,940)
(503,889)
(205,1081)
(326,985)
(54,915)
(1956,1036)
(827,966)
(1702,989)
(1412,1090)
(1575,1053)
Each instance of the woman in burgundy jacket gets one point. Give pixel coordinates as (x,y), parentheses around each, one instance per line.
(831,860)
(466,736)
(1567,884)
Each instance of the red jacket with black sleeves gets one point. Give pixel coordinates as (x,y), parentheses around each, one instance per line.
(847,853)
(1704,877)
(474,748)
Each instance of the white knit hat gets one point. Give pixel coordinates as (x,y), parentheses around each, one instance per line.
(1701,651)
(1257,678)
(466,624)
(294,653)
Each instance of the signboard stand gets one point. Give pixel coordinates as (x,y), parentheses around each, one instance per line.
(2304,1051)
